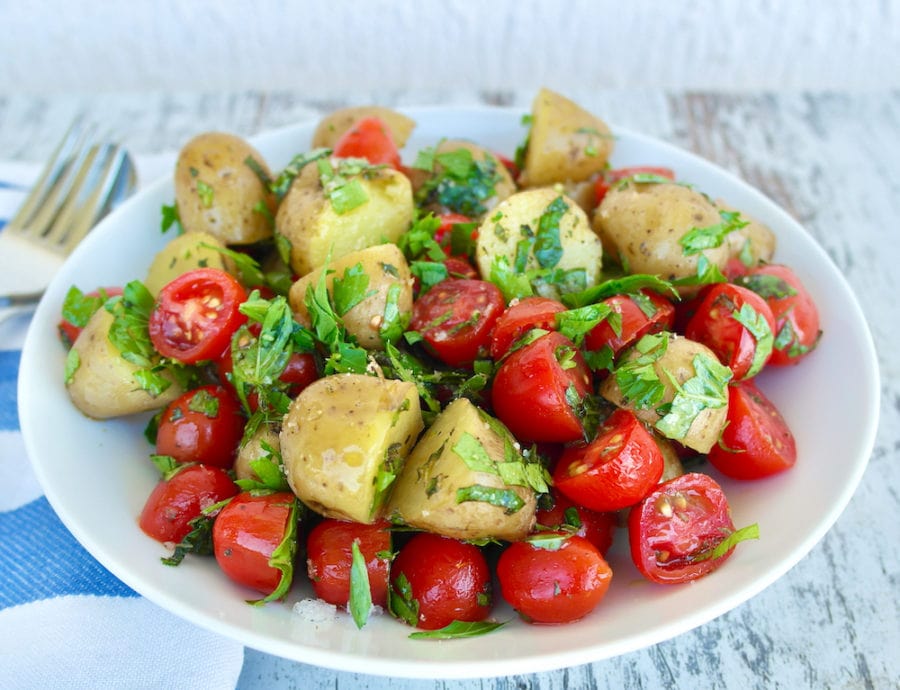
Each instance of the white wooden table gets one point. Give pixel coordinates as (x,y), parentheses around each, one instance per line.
(831,160)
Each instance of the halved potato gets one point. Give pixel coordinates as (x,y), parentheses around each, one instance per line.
(185,253)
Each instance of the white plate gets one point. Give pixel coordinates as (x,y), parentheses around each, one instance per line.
(96,474)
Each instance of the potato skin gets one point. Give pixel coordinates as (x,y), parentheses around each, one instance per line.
(185,253)
(333,126)
(253,450)
(316,231)
(386,267)
(755,241)
(224,207)
(103,385)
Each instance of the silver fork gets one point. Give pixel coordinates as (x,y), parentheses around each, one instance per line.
(83,180)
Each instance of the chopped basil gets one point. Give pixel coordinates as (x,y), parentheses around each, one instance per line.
(512,284)
(419,239)
(458,630)
(625,284)
(360,602)
(170,217)
(205,192)
(462,184)
(78,308)
(282,558)
(707,273)
(575,324)
(197,541)
(349,291)
(390,467)
(507,499)
(282,183)
(259,170)
(73,361)
(759,328)
(401,602)
(696,240)
(205,403)
(394,321)
(767,286)
(269,470)
(549,541)
(728,543)
(637,378)
(429,273)
(547,246)
(707,389)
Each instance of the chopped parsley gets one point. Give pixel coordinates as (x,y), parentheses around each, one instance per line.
(707,389)
(458,183)
(696,240)
(458,630)
(360,602)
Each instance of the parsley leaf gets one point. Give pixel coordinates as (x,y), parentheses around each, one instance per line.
(707,389)
(458,630)
(759,328)
(360,603)
(636,377)
(696,240)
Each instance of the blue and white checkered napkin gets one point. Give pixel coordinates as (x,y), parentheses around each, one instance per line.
(65,621)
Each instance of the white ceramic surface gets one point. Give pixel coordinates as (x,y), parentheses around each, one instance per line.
(96,474)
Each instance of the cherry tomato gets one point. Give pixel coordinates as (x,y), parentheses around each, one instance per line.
(299,372)
(369,138)
(736,324)
(196,314)
(509,164)
(459,267)
(797,329)
(445,230)
(558,583)
(180,498)
(68,331)
(455,317)
(329,556)
(615,470)
(610,177)
(597,528)
(436,580)
(534,386)
(246,534)
(757,441)
(639,315)
(673,530)
(203,425)
(519,318)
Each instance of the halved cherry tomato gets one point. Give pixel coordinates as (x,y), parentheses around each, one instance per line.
(455,317)
(196,314)
(797,329)
(180,498)
(615,470)
(559,582)
(203,425)
(736,324)
(68,331)
(329,557)
(757,441)
(246,534)
(369,138)
(597,528)
(610,177)
(675,528)
(537,388)
(519,318)
(436,580)
(641,314)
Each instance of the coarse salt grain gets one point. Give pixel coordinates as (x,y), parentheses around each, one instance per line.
(315,611)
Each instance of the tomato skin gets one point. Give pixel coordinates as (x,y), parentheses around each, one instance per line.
(715,325)
(369,138)
(635,323)
(175,501)
(597,528)
(519,318)
(455,317)
(553,587)
(683,518)
(757,442)
(246,533)
(797,325)
(529,391)
(196,314)
(610,177)
(68,331)
(329,556)
(449,579)
(620,466)
(191,435)
(445,229)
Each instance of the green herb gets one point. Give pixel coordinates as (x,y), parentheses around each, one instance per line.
(360,603)
(269,470)
(547,246)
(458,630)
(616,286)
(696,240)
(522,149)
(349,291)
(648,178)
(197,541)
(728,543)
(429,273)
(707,389)
(282,183)
(205,192)
(401,602)
(394,321)
(205,403)
(342,185)
(707,274)
(462,184)
(282,558)
(78,308)
(759,328)
(262,208)
(73,361)
(462,239)
(171,217)
(507,499)
(248,267)
(259,170)
(548,541)
(575,324)
(767,286)
(345,354)
(513,285)
(636,376)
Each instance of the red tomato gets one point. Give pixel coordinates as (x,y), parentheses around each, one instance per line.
(553,585)
(455,317)
(196,314)
(203,425)
(615,470)
(68,331)
(757,441)
(597,528)
(531,389)
(247,532)
(640,316)
(797,329)
(610,177)
(459,267)
(445,230)
(369,138)
(674,528)
(175,501)
(519,318)
(329,556)
(509,164)
(299,372)
(728,321)
(436,580)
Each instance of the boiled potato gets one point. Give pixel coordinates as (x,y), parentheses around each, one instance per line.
(332,126)
(459,454)
(753,244)
(672,466)
(103,385)
(316,230)
(642,225)
(219,193)
(388,277)
(254,449)
(566,142)
(345,439)
(519,219)
(699,415)
(185,253)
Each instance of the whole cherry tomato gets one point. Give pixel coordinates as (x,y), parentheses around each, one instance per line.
(519,318)
(329,557)
(757,441)
(436,580)
(203,425)
(369,138)
(639,314)
(196,314)
(615,470)
(597,528)
(557,579)
(537,388)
